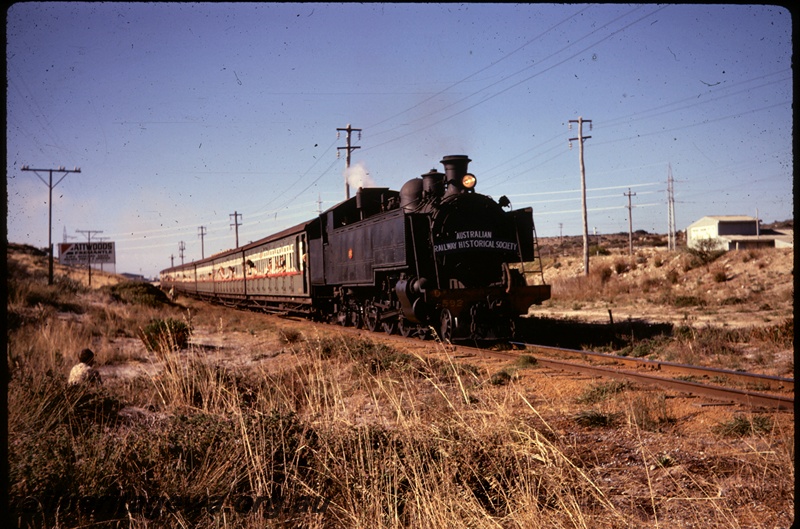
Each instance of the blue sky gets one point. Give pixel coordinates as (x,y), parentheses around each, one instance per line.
(181,114)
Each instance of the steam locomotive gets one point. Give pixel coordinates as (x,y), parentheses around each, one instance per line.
(434,256)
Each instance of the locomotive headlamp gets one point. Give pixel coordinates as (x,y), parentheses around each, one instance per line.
(469,181)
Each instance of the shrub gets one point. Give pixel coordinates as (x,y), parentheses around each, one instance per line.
(649,412)
(688,301)
(734,300)
(290,336)
(645,347)
(526,361)
(706,252)
(600,392)
(650,283)
(165,335)
(781,334)
(594,418)
(68,285)
(501,378)
(740,426)
(672,277)
(621,267)
(138,293)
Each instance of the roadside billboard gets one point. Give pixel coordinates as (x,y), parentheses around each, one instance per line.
(80,253)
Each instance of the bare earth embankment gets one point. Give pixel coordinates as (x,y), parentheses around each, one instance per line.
(265,421)
(737,289)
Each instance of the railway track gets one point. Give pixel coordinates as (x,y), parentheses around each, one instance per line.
(722,385)
(692,373)
(726,386)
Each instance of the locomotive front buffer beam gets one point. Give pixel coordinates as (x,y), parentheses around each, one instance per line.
(475,312)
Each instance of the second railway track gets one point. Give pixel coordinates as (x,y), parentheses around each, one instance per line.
(690,373)
(724,385)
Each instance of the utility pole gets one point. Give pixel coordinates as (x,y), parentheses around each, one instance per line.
(349,149)
(758,225)
(101,262)
(181,248)
(67,237)
(561,234)
(89,234)
(51,185)
(172,260)
(201,233)
(630,220)
(580,121)
(236,217)
(671,243)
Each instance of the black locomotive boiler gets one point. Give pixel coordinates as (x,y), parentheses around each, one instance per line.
(434,255)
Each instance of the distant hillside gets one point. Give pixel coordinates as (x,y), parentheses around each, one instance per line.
(600,243)
(32,263)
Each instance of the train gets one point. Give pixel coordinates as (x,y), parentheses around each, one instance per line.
(434,258)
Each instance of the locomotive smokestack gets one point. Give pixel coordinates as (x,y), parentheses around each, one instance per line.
(455,168)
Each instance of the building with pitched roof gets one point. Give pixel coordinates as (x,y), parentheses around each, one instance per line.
(736,232)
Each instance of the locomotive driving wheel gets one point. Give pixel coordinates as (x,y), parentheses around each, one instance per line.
(447,324)
(390,326)
(405,328)
(371,316)
(342,318)
(355,316)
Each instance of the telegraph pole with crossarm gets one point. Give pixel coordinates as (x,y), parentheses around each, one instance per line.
(630,220)
(237,217)
(349,149)
(582,138)
(201,232)
(51,185)
(89,234)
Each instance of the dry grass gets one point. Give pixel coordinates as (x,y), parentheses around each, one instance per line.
(732,310)
(307,429)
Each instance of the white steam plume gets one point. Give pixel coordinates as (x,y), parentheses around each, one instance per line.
(357,176)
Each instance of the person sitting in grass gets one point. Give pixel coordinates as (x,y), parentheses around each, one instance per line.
(84,372)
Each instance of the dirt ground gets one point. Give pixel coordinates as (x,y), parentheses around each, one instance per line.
(681,467)
(741,288)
